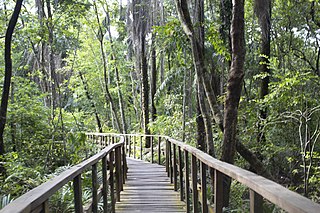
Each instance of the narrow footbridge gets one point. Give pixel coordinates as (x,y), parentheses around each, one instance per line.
(170,176)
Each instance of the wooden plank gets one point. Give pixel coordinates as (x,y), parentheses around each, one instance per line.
(203,172)
(187,187)
(77,191)
(146,192)
(105,183)
(94,189)
(194,175)
(256,202)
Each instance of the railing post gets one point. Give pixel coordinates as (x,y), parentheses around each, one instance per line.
(256,202)
(94,189)
(118,173)
(124,166)
(141,147)
(218,191)
(134,146)
(167,157)
(151,146)
(128,142)
(77,190)
(180,173)
(187,188)
(175,181)
(105,183)
(159,150)
(111,181)
(194,183)
(203,172)
(170,163)
(45,207)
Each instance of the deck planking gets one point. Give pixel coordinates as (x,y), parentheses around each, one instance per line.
(148,189)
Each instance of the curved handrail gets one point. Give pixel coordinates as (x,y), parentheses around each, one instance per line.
(259,186)
(36,199)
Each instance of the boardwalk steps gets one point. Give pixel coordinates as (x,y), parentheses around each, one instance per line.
(148,189)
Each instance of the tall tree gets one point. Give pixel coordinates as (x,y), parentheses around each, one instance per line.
(263,11)
(234,88)
(140,12)
(8,74)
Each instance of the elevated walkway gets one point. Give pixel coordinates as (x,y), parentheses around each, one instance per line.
(148,189)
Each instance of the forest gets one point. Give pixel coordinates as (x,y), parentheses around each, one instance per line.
(237,79)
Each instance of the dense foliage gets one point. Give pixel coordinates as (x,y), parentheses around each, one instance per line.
(77,68)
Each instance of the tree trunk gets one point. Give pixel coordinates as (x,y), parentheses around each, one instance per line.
(7,76)
(153,82)
(234,88)
(263,11)
(86,89)
(108,95)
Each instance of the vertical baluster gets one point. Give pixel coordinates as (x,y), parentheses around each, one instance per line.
(77,194)
(256,202)
(105,184)
(180,173)
(187,188)
(45,207)
(151,146)
(141,147)
(194,183)
(175,176)
(118,173)
(159,150)
(203,172)
(112,139)
(124,166)
(134,146)
(111,181)
(167,157)
(94,189)
(129,145)
(170,163)
(218,191)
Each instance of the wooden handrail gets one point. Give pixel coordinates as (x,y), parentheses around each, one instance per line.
(259,186)
(36,200)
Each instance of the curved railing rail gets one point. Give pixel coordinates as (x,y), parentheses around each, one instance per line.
(113,170)
(176,157)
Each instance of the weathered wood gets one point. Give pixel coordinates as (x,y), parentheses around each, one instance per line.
(203,175)
(170,163)
(118,179)
(111,180)
(153,193)
(167,157)
(194,183)
(94,189)
(256,202)
(180,173)
(105,183)
(218,191)
(141,147)
(77,191)
(159,150)
(187,186)
(151,146)
(175,176)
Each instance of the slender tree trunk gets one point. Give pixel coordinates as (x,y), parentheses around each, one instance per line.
(263,11)
(113,57)
(104,62)
(234,88)
(145,89)
(86,89)
(153,82)
(7,76)
(201,130)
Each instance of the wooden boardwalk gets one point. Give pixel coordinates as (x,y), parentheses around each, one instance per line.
(148,189)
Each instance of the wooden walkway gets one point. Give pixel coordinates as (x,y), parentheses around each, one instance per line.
(148,189)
